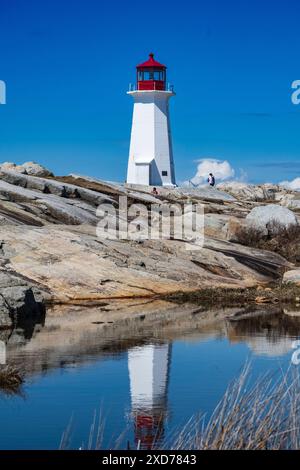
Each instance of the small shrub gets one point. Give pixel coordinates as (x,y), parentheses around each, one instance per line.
(280,239)
(250,236)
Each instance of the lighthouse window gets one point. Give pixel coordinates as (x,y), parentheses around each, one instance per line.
(157,75)
(147,75)
(164,173)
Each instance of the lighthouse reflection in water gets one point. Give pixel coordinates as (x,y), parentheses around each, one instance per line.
(149,376)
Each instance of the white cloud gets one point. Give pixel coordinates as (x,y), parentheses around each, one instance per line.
(294,185)
(222,171)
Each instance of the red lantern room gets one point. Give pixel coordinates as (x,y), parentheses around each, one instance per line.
(151,75)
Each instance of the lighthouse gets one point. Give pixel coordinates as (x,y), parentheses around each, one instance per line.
(150,155)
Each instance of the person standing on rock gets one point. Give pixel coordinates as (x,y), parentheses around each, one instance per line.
(211,180)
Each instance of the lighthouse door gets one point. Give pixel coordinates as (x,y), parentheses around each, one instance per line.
(143,173)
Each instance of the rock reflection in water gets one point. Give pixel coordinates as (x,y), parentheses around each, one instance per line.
(72,335)
(268,333)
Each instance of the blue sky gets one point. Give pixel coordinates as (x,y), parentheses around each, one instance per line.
(67,66)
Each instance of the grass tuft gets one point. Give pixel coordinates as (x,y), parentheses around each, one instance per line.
(10,380)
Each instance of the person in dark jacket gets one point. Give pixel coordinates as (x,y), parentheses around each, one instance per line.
(211,180)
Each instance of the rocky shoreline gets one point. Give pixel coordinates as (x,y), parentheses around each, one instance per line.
(50,251)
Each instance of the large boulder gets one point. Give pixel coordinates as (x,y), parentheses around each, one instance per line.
(263,217)
(27,168)
(11,166)
(35,169)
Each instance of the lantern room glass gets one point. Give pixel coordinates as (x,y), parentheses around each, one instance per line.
(151,75)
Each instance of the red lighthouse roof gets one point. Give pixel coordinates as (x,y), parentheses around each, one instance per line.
(151,63)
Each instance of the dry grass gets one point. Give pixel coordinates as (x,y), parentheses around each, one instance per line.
(280,239)
(10,380)
(95,437)
(264,416)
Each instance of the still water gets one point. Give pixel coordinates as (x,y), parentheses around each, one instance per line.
(147,376)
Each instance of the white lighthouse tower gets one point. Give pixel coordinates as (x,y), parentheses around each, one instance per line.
(150,155)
